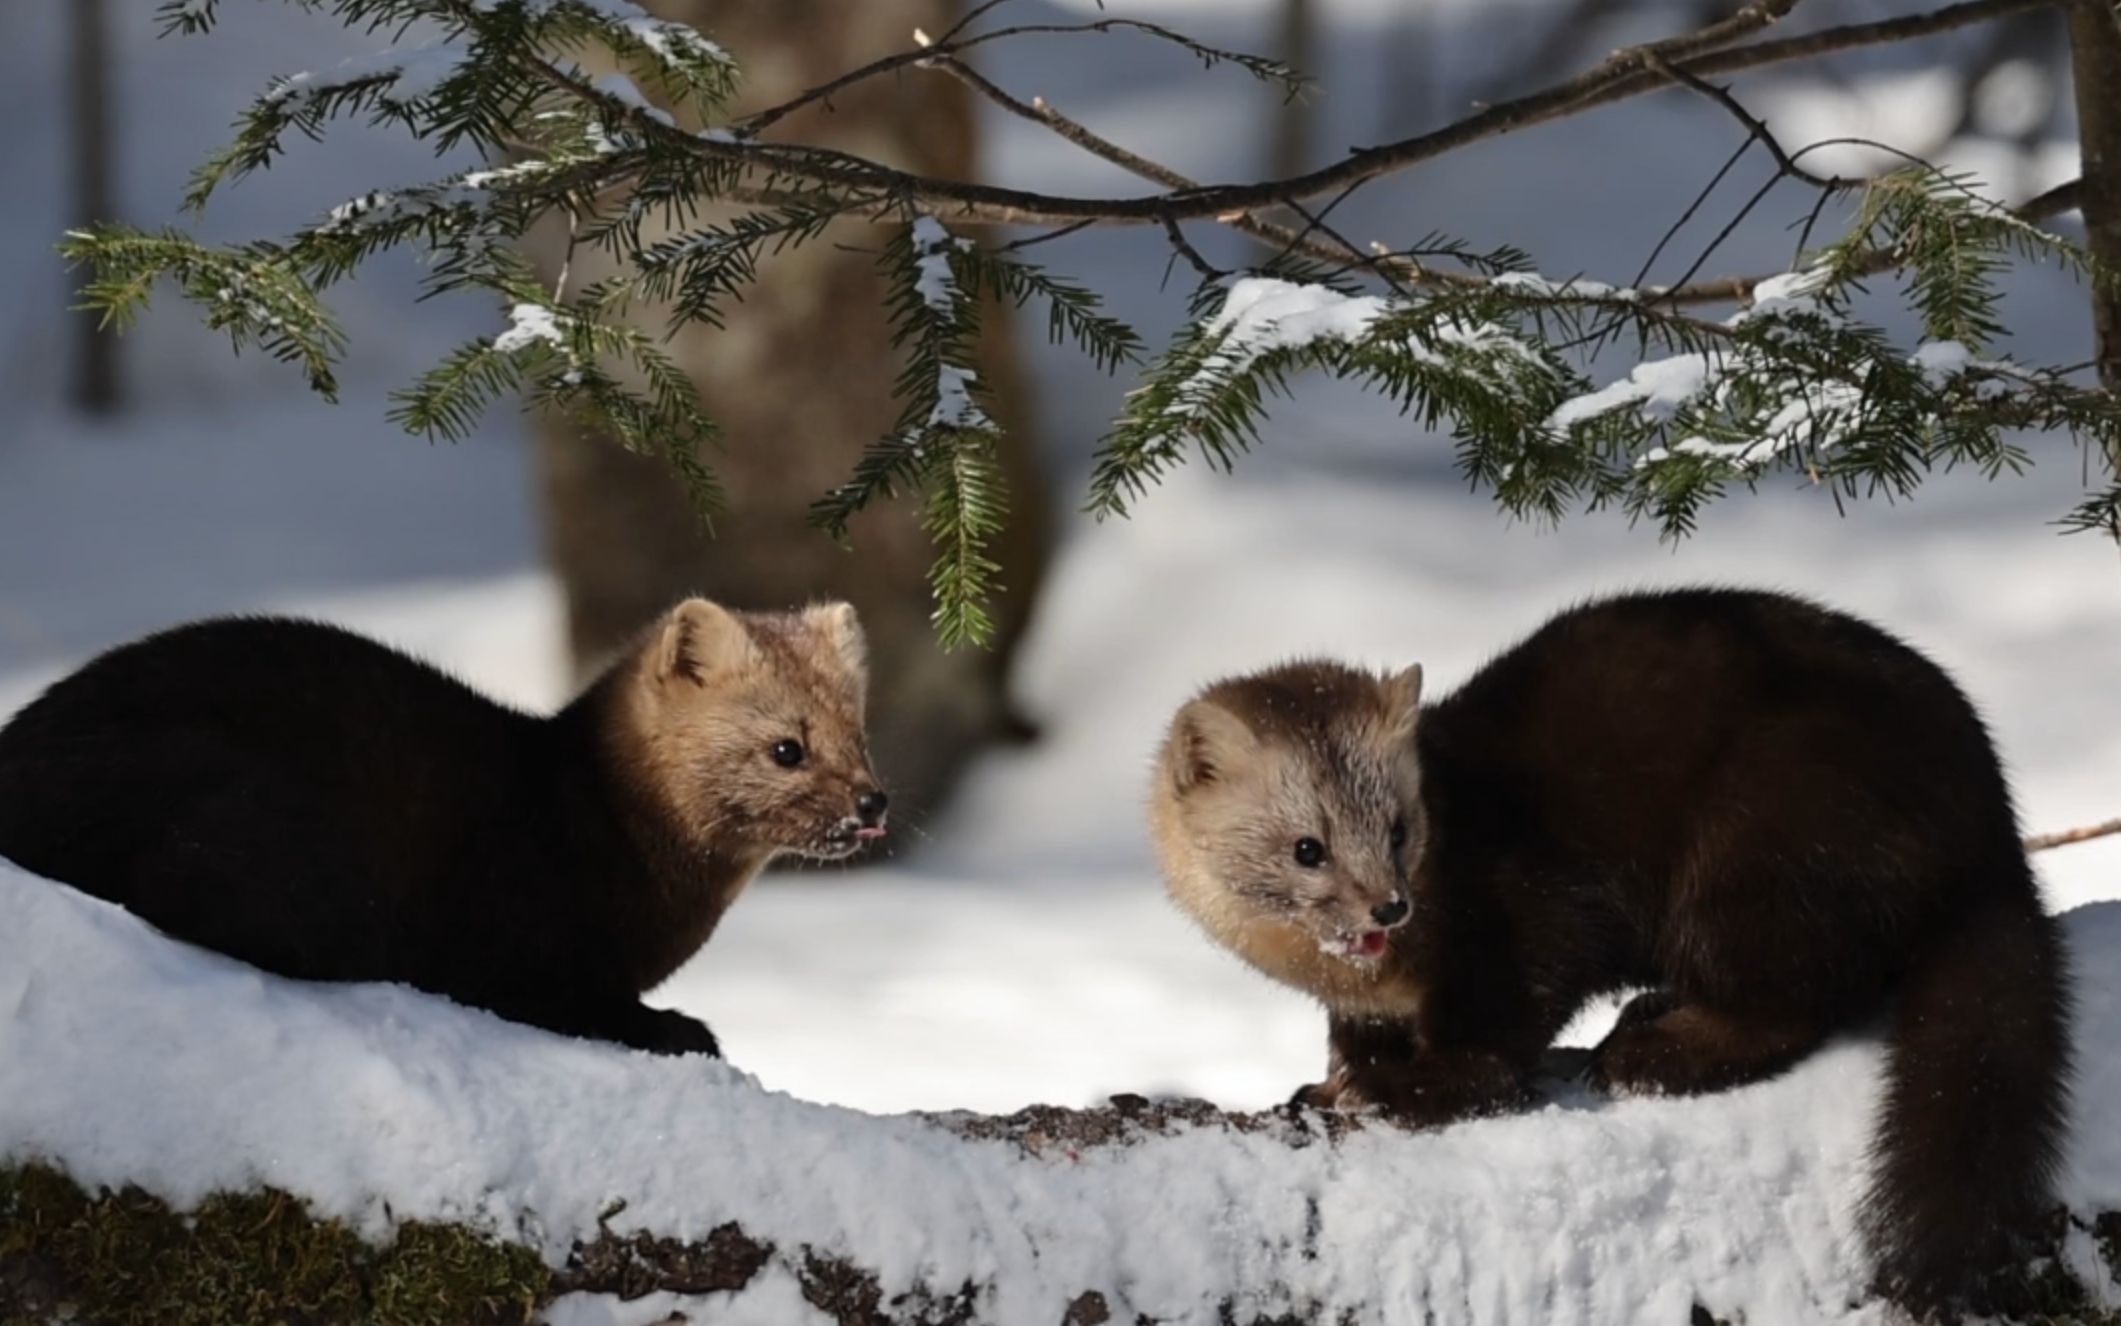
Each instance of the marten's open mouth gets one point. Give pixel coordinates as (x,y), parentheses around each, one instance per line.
(1362,946)
(846,840)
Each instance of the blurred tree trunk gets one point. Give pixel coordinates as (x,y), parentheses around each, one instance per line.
(95,367)
(800,381)
(1295,45)
(2095,58)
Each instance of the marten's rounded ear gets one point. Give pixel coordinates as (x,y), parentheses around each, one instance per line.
(697,639)
(839,625)
(1403,701)
(1207,743)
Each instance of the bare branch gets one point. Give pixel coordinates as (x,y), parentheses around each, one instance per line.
(1700,200)
(1621,76)
(1394,271)
(2041,842)
(1756,128)
(2062,198)
(952,45)
(1206,270)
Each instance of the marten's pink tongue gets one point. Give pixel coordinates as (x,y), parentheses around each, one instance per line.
(869,835)
(1369,944)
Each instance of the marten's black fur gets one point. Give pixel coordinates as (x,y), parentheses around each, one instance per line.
(1787,823)
(327,808)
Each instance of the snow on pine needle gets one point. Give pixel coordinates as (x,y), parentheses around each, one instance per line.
(1797,381)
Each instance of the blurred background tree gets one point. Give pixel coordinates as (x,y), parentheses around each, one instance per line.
(93,147)
(800,380)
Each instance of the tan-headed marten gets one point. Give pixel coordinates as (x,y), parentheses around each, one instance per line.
(1780,820)
(324,807)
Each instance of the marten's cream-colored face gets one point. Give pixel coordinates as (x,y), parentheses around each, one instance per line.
(754,723)
(1288,811)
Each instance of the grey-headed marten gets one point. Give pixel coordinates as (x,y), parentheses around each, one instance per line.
(1779,819)
(324,807)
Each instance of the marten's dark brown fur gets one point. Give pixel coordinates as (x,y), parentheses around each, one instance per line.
(324,807)
(1780,819)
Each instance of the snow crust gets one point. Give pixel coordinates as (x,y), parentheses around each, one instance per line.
(1577,286)
(773,1298)
(413,71)
(936,284)
(527,325)
(1661,386)
(1788,291)
(621,88)
(1263,313)
(670,41)
(131,1058)
(933,280)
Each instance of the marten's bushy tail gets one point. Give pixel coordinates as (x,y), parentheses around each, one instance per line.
(1977,1093)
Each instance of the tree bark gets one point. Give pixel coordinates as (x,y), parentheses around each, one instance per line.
(800,381)
(1295,45)
(2095,61)
(95,368)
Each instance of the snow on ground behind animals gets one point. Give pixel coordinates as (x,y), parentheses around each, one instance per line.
(131,1059)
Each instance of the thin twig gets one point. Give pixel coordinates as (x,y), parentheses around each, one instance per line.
(952,45)
(972,16)
(574,234)
(1754,125)
(1046,236)
(2041,842)
(1730,226)
(1207,270)
(1623,75)
(1737,289)
(1827,41)
(1040,111)
(1387,265)
(2062,198)
(1700,200)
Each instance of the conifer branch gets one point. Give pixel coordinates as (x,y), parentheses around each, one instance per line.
(1466,338)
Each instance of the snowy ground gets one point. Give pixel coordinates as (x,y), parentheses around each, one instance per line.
(1019,949)
(1021,952)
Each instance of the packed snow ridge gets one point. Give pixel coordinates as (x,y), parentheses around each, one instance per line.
(528,324)
(1263,314)
(133,1059)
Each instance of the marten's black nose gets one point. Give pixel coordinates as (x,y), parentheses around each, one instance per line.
(1389,913)
(871,806)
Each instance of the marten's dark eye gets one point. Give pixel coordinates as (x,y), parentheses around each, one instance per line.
(788,752)
(1399,834)
(1310,853)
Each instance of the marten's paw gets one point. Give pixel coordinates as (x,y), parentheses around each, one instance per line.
(1620,1044)
(662,1031)
(1436,1089)
(1335,1093)
(1682,1049)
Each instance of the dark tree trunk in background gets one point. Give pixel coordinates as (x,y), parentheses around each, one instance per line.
(800,381)
(1295,45)
(2095,59)
(94,372)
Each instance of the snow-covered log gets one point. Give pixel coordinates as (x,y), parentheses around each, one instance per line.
(613,1188)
